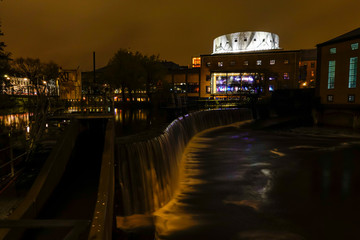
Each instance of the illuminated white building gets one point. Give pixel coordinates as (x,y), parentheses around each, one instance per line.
(245,42)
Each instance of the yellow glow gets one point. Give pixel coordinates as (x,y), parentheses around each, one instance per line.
(196,62)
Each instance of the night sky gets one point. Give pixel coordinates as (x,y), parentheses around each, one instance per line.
(68,31)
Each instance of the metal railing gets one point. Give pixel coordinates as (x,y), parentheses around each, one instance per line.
(43,186)
(8,169)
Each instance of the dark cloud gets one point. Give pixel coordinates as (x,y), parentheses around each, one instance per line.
(68,31)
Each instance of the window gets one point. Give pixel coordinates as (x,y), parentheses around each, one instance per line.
(220,64)
(208,64)
(332,50)
(235,40)
(331,75)
(208,89)
(355,46)
(196,62)
(208,78)
(258,62)
(271,88)
(312,73)
(353,72)
(351,98)
(272,62)
(246,63)
(286,61)
(330,98)
(286,75)
(245,39)
(312,65)
(180,87)
(232,63)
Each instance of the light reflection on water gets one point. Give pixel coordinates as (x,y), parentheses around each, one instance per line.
(11,123)
(134,121)
(14,122)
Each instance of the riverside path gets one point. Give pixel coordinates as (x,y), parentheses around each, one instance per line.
(240,183)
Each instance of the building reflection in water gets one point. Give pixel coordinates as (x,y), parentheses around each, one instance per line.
(14,122)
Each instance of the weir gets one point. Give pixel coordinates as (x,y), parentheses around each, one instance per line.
(148,170)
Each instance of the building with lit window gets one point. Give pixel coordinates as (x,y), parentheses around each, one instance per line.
(338,85)
(70,84)
(338,72)
(252,62)
(23,86)
(245,63)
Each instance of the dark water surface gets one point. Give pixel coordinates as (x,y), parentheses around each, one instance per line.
(244,184)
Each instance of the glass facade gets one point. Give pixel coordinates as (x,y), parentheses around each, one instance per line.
(353,72)
(234,83)
(331,75)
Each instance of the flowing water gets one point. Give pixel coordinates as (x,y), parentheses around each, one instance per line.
(148,170)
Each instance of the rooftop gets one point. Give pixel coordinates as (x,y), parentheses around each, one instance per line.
(345,37)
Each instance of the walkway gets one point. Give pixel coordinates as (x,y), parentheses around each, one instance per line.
(245,184)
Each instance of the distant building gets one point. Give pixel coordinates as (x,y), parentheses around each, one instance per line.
(23,86)
(245,63)
(70,84)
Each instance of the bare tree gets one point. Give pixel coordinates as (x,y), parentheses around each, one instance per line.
(4,63)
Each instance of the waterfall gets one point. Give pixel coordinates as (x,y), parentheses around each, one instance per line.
(148,169)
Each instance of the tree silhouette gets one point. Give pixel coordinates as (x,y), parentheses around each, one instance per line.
(125,71)
(4,62)
(37,72)
(134,71)
(155,72)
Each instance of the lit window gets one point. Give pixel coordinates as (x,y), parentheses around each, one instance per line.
(355,46)
(196,62)
(331,75)
(332,50)
(272,62)
(271,88)
(208,64)
(352,72)
(351,98)
(330,98)
(208,89)
(312,73)
(220,64)
(258,62)
(246,63)
(286,61)
(232,63)
(286,75)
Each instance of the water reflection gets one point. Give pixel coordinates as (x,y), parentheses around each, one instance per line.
(133,121)
(14,122)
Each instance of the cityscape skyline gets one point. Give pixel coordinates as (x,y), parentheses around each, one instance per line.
(68,32)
